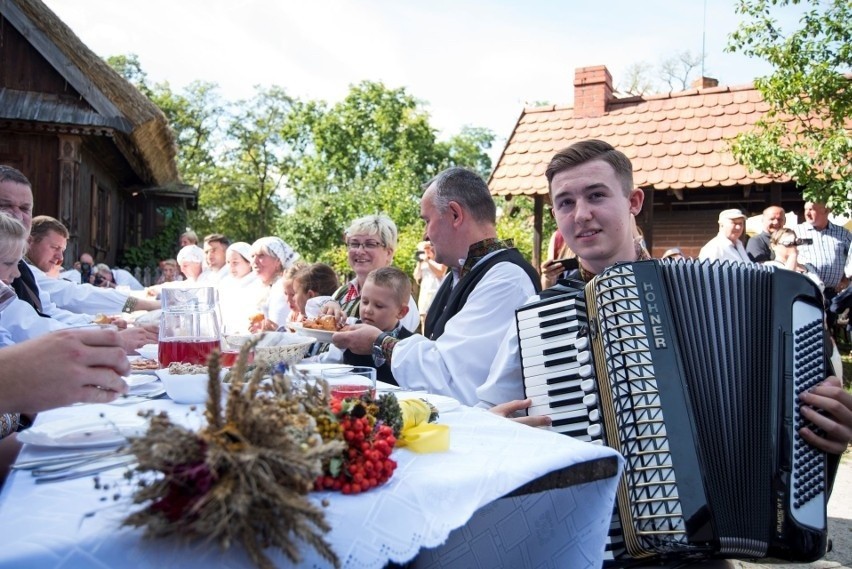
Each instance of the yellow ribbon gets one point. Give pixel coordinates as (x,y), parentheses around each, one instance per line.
(418,434)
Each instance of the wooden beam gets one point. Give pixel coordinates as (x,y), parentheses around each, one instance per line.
(538,215)
(68,70)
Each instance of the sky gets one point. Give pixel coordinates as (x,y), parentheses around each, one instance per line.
(471,62)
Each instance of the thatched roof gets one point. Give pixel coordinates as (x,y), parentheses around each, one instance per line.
(147,132)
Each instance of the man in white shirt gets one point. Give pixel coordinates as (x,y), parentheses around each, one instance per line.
(16,199)
(215,249)
(826,246)
(726,246)
(48,239)
(487,281)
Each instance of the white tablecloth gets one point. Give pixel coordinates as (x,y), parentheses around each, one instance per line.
(72,525)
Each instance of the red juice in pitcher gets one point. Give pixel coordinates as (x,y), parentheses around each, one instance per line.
(190,350)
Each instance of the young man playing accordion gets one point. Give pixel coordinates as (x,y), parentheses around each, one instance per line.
(594,201)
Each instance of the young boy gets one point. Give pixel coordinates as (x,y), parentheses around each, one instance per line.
(384,303)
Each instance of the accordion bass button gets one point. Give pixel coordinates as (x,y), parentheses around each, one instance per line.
(594,416)
(590,400)
(584,357)
(581,343)
(594,430)
(588,385)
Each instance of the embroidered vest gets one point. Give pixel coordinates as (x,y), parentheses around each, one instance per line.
(450,299)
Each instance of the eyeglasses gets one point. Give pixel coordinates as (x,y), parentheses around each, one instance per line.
(788,243)
(368,245)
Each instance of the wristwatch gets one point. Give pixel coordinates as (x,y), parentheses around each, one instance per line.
(378,355)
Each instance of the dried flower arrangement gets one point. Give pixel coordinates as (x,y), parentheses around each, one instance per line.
(245,476)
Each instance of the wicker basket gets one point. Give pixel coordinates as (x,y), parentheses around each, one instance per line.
(286,353)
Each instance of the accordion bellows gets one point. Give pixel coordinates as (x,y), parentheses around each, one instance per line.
(691,370)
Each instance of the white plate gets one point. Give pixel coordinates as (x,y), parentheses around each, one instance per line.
(149,351)
(74,433)
(442,403)
(148,389)
(137,379)
(321,335)
(151,372)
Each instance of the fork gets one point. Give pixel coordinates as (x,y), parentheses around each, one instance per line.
(72,474)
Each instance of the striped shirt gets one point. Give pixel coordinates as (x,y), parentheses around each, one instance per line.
(827,253)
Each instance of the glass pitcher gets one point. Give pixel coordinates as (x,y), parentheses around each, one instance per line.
(189,325)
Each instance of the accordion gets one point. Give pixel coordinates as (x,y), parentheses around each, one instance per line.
(692,371)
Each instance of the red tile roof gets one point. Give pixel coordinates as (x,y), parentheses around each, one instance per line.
(675,141)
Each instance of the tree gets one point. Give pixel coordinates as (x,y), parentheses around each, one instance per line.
(369,153)
(245,199)
(469,149)
(676,70)
(637,79)
(805,134)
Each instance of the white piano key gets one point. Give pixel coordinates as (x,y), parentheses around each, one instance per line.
(565,330)
(558,375)
(551,320)
(544,388)
(531,341)
(539,311)
(572,364)
(559,401)
(579,356)
(553,346)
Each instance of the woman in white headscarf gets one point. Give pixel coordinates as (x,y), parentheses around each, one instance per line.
(271,256)
(238,290)
(190,260)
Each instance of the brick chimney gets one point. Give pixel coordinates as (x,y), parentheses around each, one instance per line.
(705,83)
(592,91)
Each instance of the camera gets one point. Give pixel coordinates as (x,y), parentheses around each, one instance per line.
(99,280)
(806,241)
(419,256)
(85,272)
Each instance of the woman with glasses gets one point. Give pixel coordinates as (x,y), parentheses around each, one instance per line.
(370,242)
(784,244)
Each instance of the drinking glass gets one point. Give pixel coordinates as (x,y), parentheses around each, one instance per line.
(350,382)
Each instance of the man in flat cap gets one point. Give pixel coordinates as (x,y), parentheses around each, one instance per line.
(726,246)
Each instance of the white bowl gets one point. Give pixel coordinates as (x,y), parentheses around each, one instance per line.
(188,388)
(148,351)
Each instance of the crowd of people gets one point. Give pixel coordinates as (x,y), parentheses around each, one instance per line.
(464,345)
(817,248)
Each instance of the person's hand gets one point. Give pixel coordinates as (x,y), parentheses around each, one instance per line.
(551,270)
(138,336)
(331,307)
(264,325)
(62,368)
(509,409)
(835,419)
(118,322)
(358,338)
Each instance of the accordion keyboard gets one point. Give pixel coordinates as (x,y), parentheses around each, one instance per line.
(557,365)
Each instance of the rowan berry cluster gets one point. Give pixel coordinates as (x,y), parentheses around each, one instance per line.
(366,462)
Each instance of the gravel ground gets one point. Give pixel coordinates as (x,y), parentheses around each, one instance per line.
(839,528)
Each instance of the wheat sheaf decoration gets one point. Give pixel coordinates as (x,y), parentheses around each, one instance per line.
(245,476)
